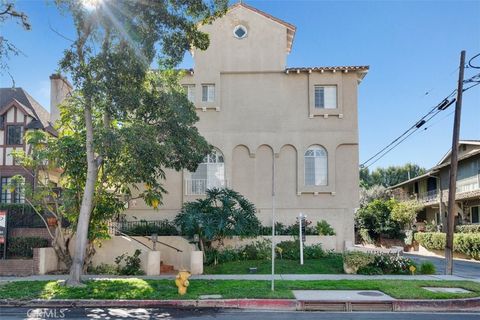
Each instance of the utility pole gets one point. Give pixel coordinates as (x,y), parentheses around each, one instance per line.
(453,170)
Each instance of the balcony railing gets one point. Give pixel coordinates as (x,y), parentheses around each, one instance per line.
(428,196)
(200,186)
(468,184)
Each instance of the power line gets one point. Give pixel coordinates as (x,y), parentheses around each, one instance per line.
(470,61)
(443,105)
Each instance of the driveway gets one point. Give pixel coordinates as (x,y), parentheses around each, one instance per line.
(461,268)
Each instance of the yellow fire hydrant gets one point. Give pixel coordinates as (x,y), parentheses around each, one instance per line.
(181,281)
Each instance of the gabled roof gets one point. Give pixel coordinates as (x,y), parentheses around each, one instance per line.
(290,27)
(443,163)
(28,103)
(468,142)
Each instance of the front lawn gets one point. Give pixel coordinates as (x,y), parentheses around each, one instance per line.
(331,264)
(135,289)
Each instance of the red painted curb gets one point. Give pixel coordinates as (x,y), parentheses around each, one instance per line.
(471,304)
(267,304)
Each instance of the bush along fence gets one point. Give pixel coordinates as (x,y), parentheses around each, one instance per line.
(466,243)
(168,228)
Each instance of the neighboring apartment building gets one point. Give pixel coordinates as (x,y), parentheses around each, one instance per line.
(20,112)
(431,189)
(270,124)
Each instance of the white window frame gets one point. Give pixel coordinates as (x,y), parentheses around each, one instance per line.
(190,92)
(210,94)
(320,175)
(240,27)
(214,165)
(330,97)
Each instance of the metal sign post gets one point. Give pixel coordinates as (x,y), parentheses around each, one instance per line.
(301,219)
(3,232)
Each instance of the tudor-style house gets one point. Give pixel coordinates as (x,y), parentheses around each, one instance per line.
(19,113)
(431,188)
(294,128)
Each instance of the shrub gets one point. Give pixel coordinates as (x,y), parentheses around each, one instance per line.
(23,246)
(324,228)
(376,218)
(355,260)
(129,265)
(468,228)
(290,249)
(258,250)
(147,228)
(103,268)
(392,264)
(427,267)
(370,270)
(405,212)
(365,236)
(221,214)
(431,240)
(313,252)
(466,243)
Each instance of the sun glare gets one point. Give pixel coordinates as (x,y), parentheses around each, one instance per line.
(90,4)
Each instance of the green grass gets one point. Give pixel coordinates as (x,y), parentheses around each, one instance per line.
(332,264)
(166,289)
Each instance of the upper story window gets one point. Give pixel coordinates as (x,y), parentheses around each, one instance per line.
(2,122)
(208,92)
(7,195)
(14,135)
(240,32)
(325,97)
(209,174)
(316,166)
(190,91)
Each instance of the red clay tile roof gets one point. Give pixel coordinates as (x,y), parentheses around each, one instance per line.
(331,68)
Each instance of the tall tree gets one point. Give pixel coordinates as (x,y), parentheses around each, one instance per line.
(7,48)
(131,122)
(389,176)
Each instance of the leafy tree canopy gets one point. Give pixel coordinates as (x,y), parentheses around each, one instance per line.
(125,123)
(389,176)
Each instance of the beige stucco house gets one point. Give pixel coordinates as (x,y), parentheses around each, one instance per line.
(292,131)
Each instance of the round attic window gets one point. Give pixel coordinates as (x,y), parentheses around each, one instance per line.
(240,32)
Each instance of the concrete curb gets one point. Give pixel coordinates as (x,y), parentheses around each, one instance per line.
(471,304)
(267,304)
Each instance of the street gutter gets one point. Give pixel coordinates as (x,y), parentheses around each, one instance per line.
(471,304)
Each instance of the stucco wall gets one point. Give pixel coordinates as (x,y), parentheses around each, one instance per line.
(262,113)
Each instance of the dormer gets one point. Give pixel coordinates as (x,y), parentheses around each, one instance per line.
(245,39)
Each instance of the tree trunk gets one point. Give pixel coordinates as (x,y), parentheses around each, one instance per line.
(60,245)
(87,202)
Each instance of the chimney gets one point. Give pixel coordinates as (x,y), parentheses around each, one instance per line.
(60,88)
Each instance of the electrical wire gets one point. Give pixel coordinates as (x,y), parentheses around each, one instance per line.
(470,61)
(446,102)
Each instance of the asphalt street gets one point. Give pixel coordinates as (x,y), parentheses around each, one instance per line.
(217,314)
(461,268)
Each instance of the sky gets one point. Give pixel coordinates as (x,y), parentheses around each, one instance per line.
(412,48)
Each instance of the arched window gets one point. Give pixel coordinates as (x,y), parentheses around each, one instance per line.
(209,174)
(316,166)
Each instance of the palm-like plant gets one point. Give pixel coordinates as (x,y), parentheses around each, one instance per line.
(223,213)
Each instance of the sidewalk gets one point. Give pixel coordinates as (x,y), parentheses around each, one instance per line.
(253,277)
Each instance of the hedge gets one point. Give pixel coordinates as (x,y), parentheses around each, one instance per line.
(466,243)
(23,246)
(468,228)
